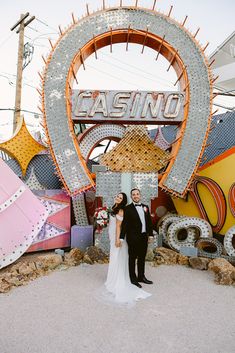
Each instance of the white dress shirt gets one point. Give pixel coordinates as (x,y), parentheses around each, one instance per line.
(140,211)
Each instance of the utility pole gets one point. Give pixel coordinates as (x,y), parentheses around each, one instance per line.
(22,24)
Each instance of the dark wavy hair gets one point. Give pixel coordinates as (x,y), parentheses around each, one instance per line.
(121,205)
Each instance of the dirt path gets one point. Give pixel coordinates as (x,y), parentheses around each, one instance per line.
(60,313)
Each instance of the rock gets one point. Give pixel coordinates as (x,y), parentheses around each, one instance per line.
(24,271)
(62,267)
(47,263)
(95,255)
(149,255)
(224,271)
(13,273)
(199,263)
(165,256)
(4,285)
(27,269)
(87,260)
(16,281)
(15,268)
(7,276)
(168,257)
(183,260)
(74,257)
(158,260)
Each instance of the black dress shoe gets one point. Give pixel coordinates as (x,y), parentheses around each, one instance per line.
(137,284)
(145,280)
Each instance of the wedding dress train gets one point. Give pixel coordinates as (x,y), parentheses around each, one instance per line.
(118,281)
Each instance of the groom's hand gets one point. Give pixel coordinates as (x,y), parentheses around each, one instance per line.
(150,240)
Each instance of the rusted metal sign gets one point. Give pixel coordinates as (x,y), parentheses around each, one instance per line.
(128,107)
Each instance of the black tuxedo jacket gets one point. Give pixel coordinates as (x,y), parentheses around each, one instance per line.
(132,226)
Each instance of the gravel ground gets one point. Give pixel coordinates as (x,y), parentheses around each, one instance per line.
(60,313)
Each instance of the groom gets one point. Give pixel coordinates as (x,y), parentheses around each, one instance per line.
(137,227)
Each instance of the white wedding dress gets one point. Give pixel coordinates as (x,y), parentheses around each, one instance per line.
(118,281)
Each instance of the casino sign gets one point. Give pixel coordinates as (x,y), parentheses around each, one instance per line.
(127,107)
(190,108)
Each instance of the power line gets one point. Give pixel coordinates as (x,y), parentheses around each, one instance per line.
(10,82)
(9,74)
(42,46)
(14,84)
(134,73)
(27,37)
(43,35)
(6,40)
(22,110)
(6,124)
(27,84)
(33,29)
(135,67)
(110,75)
(45,24)
(40,37)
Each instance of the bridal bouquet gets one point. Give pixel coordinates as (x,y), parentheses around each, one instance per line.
(102,217)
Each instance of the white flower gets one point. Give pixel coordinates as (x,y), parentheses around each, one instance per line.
(100,222)
(103,214)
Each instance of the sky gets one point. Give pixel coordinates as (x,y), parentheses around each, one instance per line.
(119,70)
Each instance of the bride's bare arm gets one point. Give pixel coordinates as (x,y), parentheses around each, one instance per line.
(118,228)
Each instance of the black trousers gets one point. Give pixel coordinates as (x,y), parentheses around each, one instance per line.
(137,252)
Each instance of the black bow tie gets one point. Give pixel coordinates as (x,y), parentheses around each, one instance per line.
(137,204)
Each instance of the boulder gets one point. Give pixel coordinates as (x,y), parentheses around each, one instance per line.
(87,260)
(224,271)
(149,255)
(24,271)
(4,285)
(199,263)
(47,263)
(158,260)
(14,269)
(15,280)
(94,254)
(183,260)
(27,269)
(168,257)
(165,256)
(74,257)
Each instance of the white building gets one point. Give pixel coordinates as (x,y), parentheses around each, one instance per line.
(224,64)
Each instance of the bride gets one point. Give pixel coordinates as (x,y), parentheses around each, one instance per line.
(118,281)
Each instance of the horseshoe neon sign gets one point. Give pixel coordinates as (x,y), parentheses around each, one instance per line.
(127,25)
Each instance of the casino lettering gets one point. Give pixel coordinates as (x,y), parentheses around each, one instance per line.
(128,106)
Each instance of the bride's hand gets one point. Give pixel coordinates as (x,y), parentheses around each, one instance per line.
(118,243)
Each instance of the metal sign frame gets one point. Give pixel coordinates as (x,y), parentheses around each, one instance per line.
(146,27)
